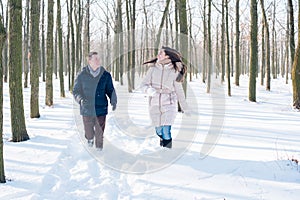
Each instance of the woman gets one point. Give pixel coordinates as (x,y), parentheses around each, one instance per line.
(163,84)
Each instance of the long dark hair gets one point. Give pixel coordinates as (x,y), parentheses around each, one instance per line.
(176,60)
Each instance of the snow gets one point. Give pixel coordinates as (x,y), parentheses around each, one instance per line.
(229,148)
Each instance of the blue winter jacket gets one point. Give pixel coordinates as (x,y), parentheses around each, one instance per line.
(91,92)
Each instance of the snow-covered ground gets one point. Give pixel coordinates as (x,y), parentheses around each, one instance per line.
(229,148)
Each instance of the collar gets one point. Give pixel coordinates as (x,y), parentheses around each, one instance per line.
(164,61)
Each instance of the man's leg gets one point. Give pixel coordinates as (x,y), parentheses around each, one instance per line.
(89,123)
(100,126)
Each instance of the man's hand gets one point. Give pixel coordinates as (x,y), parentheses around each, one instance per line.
(83,101)
(114,106)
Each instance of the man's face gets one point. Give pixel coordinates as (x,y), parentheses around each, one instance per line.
(94,61)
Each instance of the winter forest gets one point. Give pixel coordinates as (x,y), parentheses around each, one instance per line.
(220,41)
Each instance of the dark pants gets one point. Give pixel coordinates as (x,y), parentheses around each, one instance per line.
(94,127)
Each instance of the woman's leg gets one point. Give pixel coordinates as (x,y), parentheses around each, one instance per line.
(166,136)
(159,133)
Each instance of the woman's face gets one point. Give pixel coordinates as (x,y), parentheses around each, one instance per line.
(161,55)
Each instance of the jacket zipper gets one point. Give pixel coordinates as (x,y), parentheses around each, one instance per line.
(161,82)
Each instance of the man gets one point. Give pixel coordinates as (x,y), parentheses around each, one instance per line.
(92,87)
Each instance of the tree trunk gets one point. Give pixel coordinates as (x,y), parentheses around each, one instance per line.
(296,71)
(133,44)
(121,60)
(263,54)
(176,22)
(209,47)
(116,49)
(183,38)
(231,51)
(253,51)
(78,20)
(72,63)
(26,46)
(19,132)
(157,42)
(287,65)
(34,61)
(273,45)
(49,66)
(237,43)
(2,44)
(60,50)
(86,35)
(223,43)
(5,53)
(228,52)
(147,56)
(43,56)
(292,30)
(68,45)
(129,62)
(204,63)
(266,25)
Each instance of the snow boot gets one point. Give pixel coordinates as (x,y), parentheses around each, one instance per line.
(160,141)
(90,142)
(167,143)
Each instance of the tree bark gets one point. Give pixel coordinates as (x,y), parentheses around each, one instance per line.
(2,44)
(60,50)
(26,46)
(86,44)
(204,63)
(72,63)
(19,132)
(209,47)
(237,43)
(49,66)
(296,72)
(253,51)
(129,43)
(157,42)
(287,65)
(223,43)
(263,54)
(34,61)
(228,52)
(267,59)
(292,29)
(43,56)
